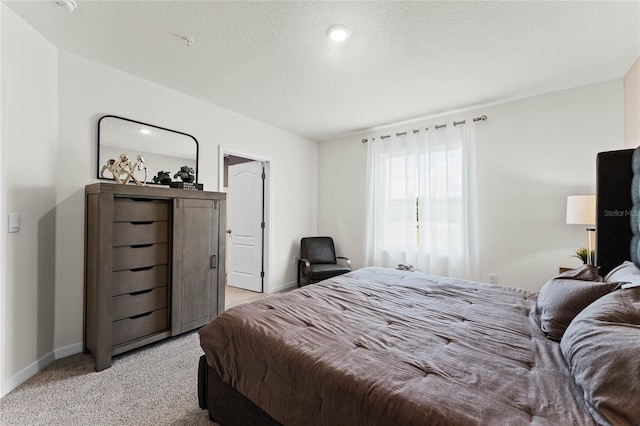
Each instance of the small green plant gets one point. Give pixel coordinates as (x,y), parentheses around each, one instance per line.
(185,174)
(582,253)
(162,177)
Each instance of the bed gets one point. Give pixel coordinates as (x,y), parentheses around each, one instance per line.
(380,346)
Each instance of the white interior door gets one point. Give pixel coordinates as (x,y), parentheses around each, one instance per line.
(244,221)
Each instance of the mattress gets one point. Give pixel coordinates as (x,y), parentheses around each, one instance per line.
(380,346)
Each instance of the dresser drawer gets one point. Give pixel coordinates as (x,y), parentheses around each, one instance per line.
(140,210)
(133,257)
(135,233)
(132,304)
(129,281)
(142,325)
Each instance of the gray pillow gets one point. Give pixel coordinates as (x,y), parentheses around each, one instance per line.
(584,273)
(561,299)
(626,272)
(602,349)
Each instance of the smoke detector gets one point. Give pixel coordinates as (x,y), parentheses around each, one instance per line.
(70,4)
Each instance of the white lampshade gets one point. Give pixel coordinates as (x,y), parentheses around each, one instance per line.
(581,210)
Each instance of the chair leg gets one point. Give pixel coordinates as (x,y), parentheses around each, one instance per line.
(303,281)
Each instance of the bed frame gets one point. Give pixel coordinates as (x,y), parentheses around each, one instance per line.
(227,406)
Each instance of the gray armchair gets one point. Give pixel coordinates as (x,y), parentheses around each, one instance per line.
(318,260)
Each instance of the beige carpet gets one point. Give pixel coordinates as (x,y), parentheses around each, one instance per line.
(155,385)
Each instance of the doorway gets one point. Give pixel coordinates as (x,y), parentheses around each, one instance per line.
(245,179)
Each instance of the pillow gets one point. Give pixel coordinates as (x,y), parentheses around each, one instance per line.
(602,350)
(561,299)
(627,273)
(584,273)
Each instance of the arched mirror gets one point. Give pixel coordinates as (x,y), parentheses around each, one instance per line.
(162,149)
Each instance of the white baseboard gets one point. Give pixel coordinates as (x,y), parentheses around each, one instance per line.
(284,286)
(66,351)
(13,382)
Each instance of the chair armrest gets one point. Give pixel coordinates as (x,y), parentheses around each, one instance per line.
(306,267)
(345,258)
(306,263)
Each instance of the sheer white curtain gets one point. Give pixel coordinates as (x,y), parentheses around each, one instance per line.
(421,201)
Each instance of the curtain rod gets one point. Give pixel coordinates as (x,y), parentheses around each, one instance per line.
(437,126)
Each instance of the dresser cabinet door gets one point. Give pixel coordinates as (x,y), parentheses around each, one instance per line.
(195,263)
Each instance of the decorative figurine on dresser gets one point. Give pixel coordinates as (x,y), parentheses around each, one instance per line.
(154,265)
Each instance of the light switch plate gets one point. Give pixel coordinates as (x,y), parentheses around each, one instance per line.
(14,222)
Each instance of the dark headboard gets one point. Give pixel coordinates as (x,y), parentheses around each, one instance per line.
(613,208)
(635,210)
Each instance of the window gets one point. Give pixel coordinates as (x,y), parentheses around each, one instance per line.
(421,202)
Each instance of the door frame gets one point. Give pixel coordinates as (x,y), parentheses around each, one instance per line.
(3,232)
(266,253)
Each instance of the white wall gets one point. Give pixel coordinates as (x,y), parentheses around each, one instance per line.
(89,90)
(54,101)
(29,70)
(531,154)
(342,179)
(632,106)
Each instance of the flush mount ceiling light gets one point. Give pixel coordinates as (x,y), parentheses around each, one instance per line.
(338,33)
(70,4)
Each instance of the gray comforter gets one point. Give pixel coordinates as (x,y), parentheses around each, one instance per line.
(386,347)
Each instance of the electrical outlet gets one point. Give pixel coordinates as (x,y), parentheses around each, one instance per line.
(493,279)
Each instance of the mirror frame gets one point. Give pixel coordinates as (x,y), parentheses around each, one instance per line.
(99,166)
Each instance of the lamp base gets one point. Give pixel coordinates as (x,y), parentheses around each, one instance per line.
(591,252)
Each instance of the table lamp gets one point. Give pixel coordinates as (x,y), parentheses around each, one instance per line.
(581,210)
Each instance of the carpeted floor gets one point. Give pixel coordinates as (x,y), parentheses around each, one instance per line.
(155,385)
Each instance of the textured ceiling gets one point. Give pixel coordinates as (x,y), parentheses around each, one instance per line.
(272,60)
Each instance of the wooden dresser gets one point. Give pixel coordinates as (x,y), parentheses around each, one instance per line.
(154,265)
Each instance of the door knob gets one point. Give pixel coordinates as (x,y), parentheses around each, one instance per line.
(228,231)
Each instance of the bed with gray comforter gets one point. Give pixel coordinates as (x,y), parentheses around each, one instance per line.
(380,346)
